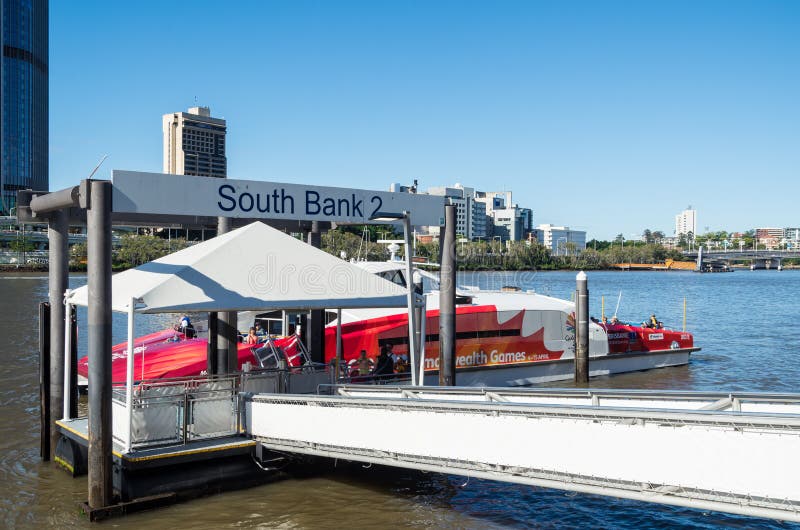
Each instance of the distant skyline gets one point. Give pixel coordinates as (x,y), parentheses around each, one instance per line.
(609,117)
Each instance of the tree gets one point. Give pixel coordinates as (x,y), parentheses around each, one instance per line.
(647,235)
(598,245)
(78,254)
(20,245)
(135,250)
(658,236)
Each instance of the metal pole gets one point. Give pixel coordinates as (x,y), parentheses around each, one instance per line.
(582,329)
(67,358)
(73,365)
(422,325)
(227,325)
(315,335)
(447,301)
(339,345)
(418,316)
(211,353)
(412,349)
(44,380)
(58,277)
(98,221)
(129,376)
(684,313)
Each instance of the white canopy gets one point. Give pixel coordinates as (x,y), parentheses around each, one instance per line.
(253,268)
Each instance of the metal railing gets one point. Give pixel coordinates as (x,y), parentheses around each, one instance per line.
(182,410)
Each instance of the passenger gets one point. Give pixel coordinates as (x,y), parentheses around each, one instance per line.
(384,365)
(605,320)
(259,330)
(186,327)
(398,357)
(614,321)
(660,325)
(363,363)
(401,366)
(653,322)
(645,324)
(251,337)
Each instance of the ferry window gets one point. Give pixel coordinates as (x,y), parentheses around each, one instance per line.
(394,277)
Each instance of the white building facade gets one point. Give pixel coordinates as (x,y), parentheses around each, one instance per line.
(686,222)
(194,144)
(791,238)
(512,224)
(561,240)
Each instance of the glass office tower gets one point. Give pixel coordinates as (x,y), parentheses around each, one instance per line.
(23,99)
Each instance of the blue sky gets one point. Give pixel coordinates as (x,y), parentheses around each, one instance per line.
(604,116)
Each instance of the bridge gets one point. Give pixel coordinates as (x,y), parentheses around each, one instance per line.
(727,452)
(760,259)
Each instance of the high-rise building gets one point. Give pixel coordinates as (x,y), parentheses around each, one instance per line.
(686,222)
(23,99)
(194,144)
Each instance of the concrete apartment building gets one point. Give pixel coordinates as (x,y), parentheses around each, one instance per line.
(512,224)
(483,214)
(771,238)
(504,219)
(470,213)
(194,144)
(494,200)
(686,222)
(556,238)
(791,238)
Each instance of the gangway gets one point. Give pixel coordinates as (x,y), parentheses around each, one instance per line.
(730,452)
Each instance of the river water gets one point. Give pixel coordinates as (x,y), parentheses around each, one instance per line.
(744,321)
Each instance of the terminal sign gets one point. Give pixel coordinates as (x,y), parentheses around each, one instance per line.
(156,193)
